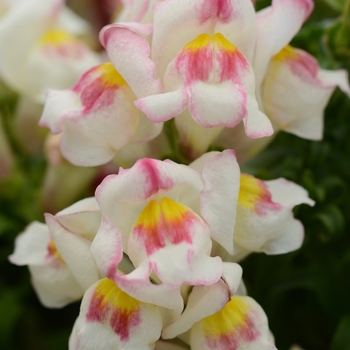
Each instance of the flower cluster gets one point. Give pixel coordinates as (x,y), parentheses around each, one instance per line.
(154,255)
(142,254)
(208,64)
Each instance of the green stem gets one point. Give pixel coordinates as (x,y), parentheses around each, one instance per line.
(346,13)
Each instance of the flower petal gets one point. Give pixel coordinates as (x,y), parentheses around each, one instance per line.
(232,275)
(51,278)
(264,214)
(276,26)
(292,239)
(294,94)
(160,108)
(100,120)
(82,217)
(193,137)
(75,250)
(178,22)
(241,324)
(129,53)
(219,197)
(137,11)
(110,317)
(31,245)
(138,185)
(107,248)
(138,285)
(167,229)
(45,56)
(203,301)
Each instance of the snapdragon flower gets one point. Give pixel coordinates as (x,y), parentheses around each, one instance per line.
(159,209)
(278,70)
(217,67)
(237,323)
(141,254)
(97,117)
(263,217)
(40,47)
(58,253)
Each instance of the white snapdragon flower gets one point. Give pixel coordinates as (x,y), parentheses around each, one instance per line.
(208,64)
(58,253)
(40,48)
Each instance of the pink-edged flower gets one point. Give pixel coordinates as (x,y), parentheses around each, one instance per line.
(58,253)
(96,117)
(217,63)
(292,89)
(265,221)
(296,90)
(210,65)
(216,317)
(51,278)
(157,210)
(202,53)
(263,216)
(111,319)
(40,49)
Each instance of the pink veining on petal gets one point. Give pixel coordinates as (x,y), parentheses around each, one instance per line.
(112,267)
(97,87)
(302,64)
(155,238)
(154,180)
(195,64)
(94,91)
(246,333)
(264,203)
(107,302)
(167,223)
(232,64)
(255,196)
(97,312)
(305,66)
(122,321)
(222,10)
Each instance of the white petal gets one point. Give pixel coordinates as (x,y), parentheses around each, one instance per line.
(130,53)
(75,251)
(110,317)
(276,26)
(219,198)
(31,245)
(203,301)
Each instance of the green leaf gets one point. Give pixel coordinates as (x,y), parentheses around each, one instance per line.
(11,310)
(341,339)
(332,218)
(336,4)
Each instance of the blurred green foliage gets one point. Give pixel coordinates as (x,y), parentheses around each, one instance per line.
(305,293)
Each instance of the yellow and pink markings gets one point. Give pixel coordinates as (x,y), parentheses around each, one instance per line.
(110,304)
(255,196)
(231,327)
(211,59)
(301,63)
(162,223)
(59,42)
(103,79)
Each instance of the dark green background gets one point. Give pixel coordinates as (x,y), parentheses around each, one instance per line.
(306,294)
